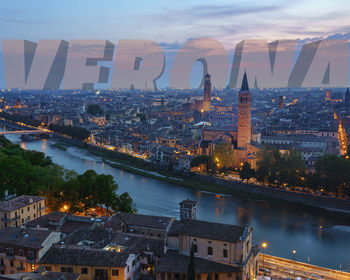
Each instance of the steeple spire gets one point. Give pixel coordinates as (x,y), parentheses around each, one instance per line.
(245,86)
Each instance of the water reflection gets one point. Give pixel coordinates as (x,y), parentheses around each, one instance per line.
(284,226)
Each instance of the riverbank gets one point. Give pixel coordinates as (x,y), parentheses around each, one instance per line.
(204,182)
(217,185)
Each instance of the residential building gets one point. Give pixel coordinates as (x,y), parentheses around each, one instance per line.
(21,249)
(20,210)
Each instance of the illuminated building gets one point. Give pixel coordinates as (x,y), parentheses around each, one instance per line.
(244,114)
(207,94)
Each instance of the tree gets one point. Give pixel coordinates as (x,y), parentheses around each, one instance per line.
(333,173)
(72,131)
(246,172)
(94,109)
(200,161)
(31,173)
(274,167)
(224,156)
(191,272)
(124,203)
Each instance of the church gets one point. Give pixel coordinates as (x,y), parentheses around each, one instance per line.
(245,149)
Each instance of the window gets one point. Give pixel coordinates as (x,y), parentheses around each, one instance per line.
(1,249)
(22,221)
(133,263)
(10,251)
(28,208)
(229,275)
(34,216)
(39,205)
(210,251)
(34,206)
(84,270)
(115,272)
(20,252)
(11,262)
(128,268)
(225,253)
(31,255)
(216,276)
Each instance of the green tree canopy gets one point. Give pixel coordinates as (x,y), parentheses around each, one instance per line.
(246,172)
(94,109)
(32,173)
(224,155)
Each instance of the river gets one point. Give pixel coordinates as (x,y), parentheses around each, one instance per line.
(319,236)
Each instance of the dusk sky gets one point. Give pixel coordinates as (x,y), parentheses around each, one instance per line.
(172,23)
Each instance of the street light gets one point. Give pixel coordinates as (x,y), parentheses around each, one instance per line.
(294,252)
(264,245)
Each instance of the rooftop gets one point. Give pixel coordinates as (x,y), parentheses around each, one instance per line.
(176,262)
(27,238)
(158,222)
(208,230)
(19,202)
(80,256)
(48,275)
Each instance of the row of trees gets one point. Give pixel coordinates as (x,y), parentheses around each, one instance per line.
(31,173)
(274,168)
(72,131)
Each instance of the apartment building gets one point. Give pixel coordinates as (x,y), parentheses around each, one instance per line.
(20,210)
(21,249)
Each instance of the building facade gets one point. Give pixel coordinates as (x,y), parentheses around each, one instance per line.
(21,249)
(20,210)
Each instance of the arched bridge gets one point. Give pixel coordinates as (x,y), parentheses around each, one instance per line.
(22,132)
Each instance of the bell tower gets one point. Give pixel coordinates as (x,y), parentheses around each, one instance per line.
(207,93)
(244,114)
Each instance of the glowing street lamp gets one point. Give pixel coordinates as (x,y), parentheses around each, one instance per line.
(294,252)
